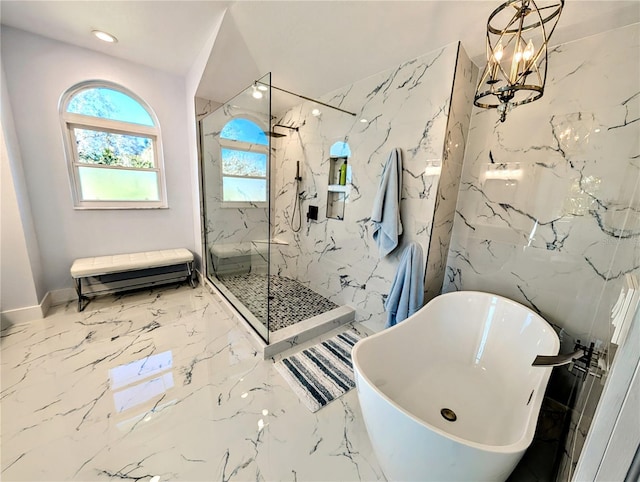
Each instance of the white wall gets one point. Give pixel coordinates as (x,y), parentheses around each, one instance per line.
(38,71)
(192,82)
(20,286)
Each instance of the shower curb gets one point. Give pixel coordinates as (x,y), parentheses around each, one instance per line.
(290,336)
(305,330)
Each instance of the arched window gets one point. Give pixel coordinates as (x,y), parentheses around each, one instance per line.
(340,149)
(244,152)
(113,148)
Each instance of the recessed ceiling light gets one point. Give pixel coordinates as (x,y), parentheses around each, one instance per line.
(104,36)
(364,120)
(315,112)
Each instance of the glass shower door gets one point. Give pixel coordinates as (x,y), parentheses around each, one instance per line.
(235,160)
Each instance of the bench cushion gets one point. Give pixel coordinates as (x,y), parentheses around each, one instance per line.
(129,262)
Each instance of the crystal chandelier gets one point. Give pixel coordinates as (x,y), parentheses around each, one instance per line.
(517,35)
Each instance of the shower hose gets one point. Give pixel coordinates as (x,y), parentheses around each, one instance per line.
(296,206)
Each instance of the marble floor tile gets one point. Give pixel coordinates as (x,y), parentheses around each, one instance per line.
(162,383)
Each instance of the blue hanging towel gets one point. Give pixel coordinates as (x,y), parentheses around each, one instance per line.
(387,226)
(407,291)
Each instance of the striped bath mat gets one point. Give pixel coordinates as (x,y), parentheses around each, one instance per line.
(323,372)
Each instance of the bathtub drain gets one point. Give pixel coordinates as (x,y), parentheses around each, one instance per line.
(449,414)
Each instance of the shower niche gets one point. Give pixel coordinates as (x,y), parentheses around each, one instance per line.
(335,202)
(338,185)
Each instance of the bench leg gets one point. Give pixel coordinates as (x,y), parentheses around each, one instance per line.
(190,273)
(81,297)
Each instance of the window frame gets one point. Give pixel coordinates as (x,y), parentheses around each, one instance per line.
(243,146)
(71,121)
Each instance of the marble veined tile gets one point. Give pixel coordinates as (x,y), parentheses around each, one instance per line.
(547,212)
(163,383)
(404,107)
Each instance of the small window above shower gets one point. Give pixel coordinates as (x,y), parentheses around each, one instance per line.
(244,152)
(339,180)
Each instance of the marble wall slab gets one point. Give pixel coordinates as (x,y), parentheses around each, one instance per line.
(549,206)
(405,107)
(204,107)
(449,171)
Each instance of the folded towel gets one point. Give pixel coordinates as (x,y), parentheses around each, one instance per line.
(387,226)
(407,291)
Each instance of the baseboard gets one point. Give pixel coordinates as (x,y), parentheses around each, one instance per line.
(52,298)
(29,313)
(60,297)
(46,304)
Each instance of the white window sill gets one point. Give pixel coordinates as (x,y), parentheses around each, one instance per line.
(103,208)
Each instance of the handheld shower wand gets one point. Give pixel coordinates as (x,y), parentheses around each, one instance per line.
(296,201)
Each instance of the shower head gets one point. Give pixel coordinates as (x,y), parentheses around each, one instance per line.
(273,133)
(287,127)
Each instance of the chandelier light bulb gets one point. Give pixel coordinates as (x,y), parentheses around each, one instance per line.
(515,66)
(494,62)
(498,52)
(517,57)
(528,52)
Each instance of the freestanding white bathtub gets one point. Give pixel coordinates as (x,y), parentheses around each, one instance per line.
(465,356)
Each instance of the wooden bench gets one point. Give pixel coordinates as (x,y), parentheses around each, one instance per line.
(104,266)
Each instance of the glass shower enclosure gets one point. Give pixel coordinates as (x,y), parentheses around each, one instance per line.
(235,157)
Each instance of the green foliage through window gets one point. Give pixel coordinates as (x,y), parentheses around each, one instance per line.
(109,149)
(244,167)
(244,163)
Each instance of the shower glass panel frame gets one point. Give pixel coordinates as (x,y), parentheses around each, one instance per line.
(236,201)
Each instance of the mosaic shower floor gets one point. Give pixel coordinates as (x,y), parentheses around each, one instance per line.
(290,303)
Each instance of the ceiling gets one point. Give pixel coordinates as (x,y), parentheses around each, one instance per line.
(311,47)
